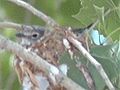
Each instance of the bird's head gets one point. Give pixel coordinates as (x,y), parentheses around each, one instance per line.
(29,36)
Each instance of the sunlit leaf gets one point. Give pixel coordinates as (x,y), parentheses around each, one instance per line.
(93,10)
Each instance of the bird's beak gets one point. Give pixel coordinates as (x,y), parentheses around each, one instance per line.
(20,35)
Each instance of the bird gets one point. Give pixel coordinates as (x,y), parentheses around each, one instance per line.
(41,42)
(48,45)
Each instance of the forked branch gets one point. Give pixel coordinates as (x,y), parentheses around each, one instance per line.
(87,75)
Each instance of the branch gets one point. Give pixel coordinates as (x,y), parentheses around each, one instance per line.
(10,25)
(14,26)
(87,75)
(37,61)
(18,27)
(36,12)
(97,65)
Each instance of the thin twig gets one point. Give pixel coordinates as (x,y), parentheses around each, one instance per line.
(87,75)
(97,65)
(10,25)
(37,61)
(36,12)
(15,26)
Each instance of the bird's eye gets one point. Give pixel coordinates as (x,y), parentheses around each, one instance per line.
(35,35)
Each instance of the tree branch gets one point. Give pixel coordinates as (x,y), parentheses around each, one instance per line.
(36,12)
(18,27)
(97,65)
(10,25)
(87,75)
(37,61)
(14,26)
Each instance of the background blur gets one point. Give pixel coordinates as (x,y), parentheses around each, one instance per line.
(74,13)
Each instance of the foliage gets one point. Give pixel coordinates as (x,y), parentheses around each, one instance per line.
(107,55)
(95,9)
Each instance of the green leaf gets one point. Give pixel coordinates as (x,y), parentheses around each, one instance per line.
(91,8)
(112,26)
(100,13)
(118,10)
(108,56)
(95,9)
(73,71)
(86,15)
(77,76)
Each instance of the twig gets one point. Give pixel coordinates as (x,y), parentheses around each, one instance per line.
(36,12)
(87,75)
(16,26)
(37,61)
(97,65)
(10,25)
